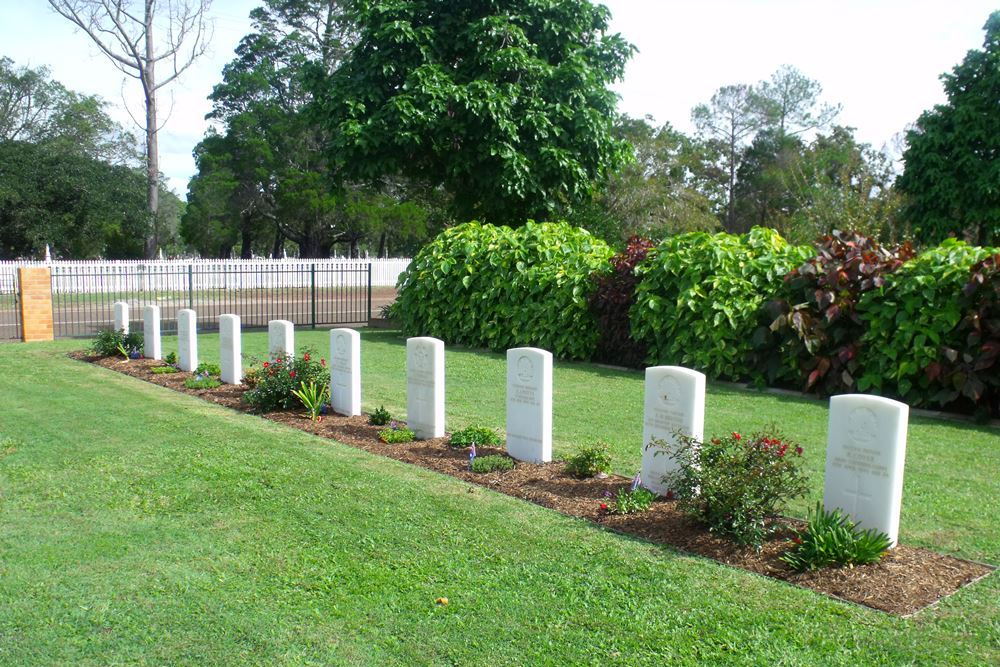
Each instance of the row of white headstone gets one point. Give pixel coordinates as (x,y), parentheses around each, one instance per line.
(866,443)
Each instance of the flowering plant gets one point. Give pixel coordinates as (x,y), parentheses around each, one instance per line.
(273,384)
(736,485)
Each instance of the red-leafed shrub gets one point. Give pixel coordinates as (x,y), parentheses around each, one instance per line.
(973,373)
(811,333)
(610,303)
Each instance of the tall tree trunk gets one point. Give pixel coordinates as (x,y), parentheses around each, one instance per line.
(279,242)
(354,248)
(246,240)
(152,154)
(731,205)
(383,246)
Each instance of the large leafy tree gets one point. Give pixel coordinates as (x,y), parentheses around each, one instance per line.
(504,103)
(952,161)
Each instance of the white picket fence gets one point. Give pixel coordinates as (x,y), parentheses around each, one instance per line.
(89,277)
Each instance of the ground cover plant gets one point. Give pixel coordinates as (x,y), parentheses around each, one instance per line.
(268,485)
(491,463)
(396,433)
(589,460)
(479,436)
(831,538)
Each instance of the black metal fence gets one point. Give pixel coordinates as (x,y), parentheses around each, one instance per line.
(305,294)
(10,315)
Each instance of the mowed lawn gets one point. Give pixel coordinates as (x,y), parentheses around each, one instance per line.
(140,526)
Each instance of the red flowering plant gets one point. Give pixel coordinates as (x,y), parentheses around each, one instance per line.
(737,485)
(272,384)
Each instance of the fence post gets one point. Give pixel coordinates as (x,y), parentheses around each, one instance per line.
(35,284)
(369,290)
(191,286)
(312,291)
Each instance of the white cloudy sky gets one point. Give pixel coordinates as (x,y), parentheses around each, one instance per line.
(880,59)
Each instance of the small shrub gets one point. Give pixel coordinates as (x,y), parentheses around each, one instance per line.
(396,434)
(275,382)
(313,397)
(164,370)
(736,485)
(632,501)
(171,358)
(202,382)
(832,539)
(492,463)
(475,435)
(379,417)
(589,461)
(205,368)
(108,343)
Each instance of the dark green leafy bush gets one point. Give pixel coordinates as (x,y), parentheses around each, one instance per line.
(736,485)
(475,435)
(107,343)
(973,372)
(171,358)
(492,463)
(810,333)
(912,318)
(499,288)
(699,298)
(832,539)
(273,383)
(379,417)
(589,460)
(611,302)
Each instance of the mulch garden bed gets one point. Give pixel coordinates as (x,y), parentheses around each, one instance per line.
(906,580)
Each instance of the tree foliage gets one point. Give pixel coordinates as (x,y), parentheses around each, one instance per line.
(952,161)
(505,104)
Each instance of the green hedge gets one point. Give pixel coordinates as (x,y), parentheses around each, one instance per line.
(497,287)
(912,317)
(698,301)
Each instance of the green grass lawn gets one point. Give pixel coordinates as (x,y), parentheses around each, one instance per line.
(142,526)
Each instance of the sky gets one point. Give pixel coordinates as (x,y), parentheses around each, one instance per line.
(880,59)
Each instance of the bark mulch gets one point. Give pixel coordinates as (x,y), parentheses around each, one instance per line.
(906,580)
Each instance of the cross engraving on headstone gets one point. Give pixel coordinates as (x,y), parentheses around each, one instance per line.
(856,494)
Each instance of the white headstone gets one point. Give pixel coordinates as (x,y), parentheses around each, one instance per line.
(425,387)
(529,404)
(345,371)
(230,349)
(280,338)
(120,309)
(151,346)
(674,402)
(865,452)
(187,340)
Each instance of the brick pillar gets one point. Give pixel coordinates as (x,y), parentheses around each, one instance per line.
(36,303)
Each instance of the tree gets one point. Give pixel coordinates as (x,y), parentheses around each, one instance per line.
(790,102)
(951,175)
(761,196)
(731,119)
(36,108)
(504,104)
(127,33)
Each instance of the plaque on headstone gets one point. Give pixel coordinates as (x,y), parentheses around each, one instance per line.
(280,339)
(674,403)
(151,345)
(345,371)
(230,349)
(865,452)
(529,404)
(120,309)
(187,340)
(425,387)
